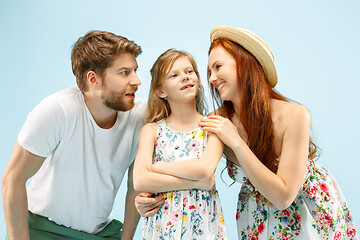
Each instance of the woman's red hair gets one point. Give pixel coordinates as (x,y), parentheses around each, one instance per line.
(255,96)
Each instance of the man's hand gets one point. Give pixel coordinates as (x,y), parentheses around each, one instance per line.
(207,183)
(147,205)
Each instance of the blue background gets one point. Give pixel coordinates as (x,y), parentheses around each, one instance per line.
(315,44)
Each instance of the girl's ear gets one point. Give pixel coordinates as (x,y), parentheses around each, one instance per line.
(161,93)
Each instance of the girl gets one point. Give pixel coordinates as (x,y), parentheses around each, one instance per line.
(176,144)
(285,194)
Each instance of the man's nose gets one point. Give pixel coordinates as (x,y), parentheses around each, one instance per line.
(135,80)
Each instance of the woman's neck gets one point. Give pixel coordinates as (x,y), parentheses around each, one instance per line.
(237,107)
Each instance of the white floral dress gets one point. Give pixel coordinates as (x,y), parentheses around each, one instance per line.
(186,214)
(318,212)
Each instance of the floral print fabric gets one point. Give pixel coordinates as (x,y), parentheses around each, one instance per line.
(186,214)
(318,212)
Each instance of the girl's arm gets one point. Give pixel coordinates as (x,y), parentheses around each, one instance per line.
(195,169)
(147,181)
(280,188)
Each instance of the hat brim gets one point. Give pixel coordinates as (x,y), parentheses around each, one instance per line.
(251,43)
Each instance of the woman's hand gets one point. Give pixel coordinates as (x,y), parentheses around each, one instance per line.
(223,128)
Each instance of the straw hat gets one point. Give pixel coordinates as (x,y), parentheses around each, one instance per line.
(251,43)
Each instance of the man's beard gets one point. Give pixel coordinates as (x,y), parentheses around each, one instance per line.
(115,101)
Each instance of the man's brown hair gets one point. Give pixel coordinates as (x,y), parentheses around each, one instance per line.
(96,51)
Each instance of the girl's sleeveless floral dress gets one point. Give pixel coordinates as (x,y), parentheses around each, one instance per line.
(186,214)
(318,212)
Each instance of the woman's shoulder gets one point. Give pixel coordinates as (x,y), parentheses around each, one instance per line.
(286,112)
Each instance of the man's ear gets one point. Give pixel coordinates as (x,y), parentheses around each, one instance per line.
(92,79)
(161,93)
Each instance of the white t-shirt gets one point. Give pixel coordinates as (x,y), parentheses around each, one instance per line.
(85,164)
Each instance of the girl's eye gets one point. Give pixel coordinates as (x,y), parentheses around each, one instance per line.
(173,75)
(190,71)
(217,67)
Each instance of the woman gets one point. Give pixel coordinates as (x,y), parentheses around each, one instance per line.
(268,147)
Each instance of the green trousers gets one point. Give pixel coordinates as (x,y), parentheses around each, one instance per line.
(42,228)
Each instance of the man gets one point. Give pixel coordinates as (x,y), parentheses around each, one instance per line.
(77,145)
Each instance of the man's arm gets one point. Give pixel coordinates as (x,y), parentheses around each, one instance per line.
(131,217)
(21,167)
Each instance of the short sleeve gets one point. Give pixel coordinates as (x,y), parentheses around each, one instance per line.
(138,118)
(43,128)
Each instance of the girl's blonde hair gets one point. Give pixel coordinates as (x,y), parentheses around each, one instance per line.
(159,108)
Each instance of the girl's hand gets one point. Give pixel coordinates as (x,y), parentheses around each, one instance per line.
(223,128)
(207,183)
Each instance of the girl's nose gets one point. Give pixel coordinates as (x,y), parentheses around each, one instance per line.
(185,78)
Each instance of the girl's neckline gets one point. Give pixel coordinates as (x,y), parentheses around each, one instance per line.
(183,132)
